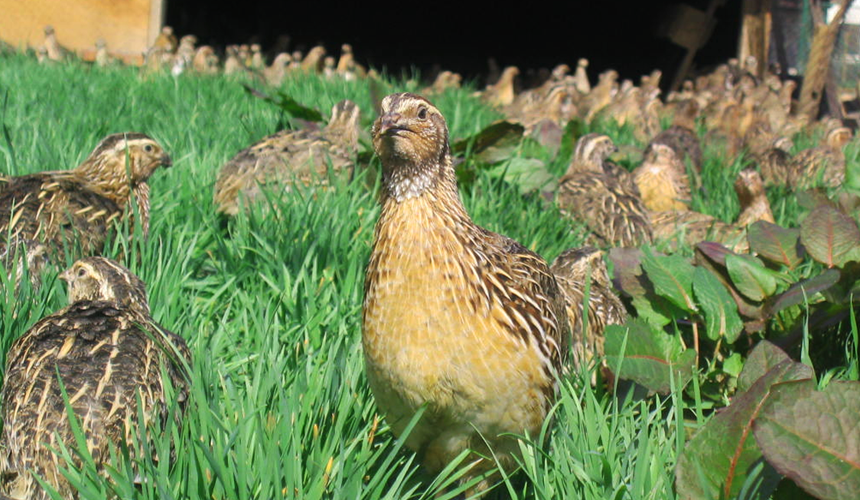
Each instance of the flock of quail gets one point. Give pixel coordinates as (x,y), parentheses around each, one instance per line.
(460,323)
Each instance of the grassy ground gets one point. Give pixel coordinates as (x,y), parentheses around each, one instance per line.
(271,303)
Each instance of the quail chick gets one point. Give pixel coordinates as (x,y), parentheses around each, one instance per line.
(232,64)
(66,208)
(103,57)
(205,61)
(681,136)
(694,227)
(581,77)
(313,62)
(824,164)
(662,179)
(602,195)
(106,350)
(53,49)
(466,323)
(166,40)
(289,155)
(444,80)
(502,92)
(274,74)
(775,162)
(575,269)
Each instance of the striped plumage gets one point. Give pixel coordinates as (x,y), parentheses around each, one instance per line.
(822,165)
(466,321)
(287,156)
(573,269)
(603,195)
(694,227)
(105,347)
(681,136)
(22,256)
(68,208)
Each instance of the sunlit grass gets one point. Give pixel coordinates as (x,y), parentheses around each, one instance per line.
(270,303)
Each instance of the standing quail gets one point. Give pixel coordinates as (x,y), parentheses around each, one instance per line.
(461,321)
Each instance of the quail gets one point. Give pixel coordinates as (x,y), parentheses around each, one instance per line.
(662,179)
(64,209)
(166,40)
(53,49)
(824,164)
(681,136)
(578,268)
(290,155)
(696,226)
(107,351)
(464,322)
(23,256)
(603,195)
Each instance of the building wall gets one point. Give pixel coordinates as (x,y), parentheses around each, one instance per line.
(128,26)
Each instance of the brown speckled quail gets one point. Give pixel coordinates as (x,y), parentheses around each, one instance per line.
(662,179)
(64,209)
(603,195)
(696,226)
(462,321)
(279,160)
(822,165)
(574,269)
(106,348)
(681,136)
(23,256)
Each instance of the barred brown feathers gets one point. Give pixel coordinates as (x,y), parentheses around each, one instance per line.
(463,320)
(74,209)
(105,347)
(279,160)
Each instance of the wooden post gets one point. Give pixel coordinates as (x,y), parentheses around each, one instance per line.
(818,64)
(755,33)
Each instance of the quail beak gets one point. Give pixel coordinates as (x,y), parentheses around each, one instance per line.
(166,162)
(390,124)
(66,276)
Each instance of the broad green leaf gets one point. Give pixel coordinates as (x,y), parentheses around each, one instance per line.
(493,144)
(750,276)
(775,243)
(734,364)
(718,307)
(529,174)
(719,457)
(830,236)
(746,307)
(813,436)
(656,310)
(672,277)
(801,291)
(288,104)
(651,357)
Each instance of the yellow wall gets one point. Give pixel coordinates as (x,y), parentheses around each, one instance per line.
(128,26)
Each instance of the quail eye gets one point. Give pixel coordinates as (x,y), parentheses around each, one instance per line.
(422,114)
(148,148)
(82,272)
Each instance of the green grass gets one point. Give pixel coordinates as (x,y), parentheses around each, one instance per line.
(271,304)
